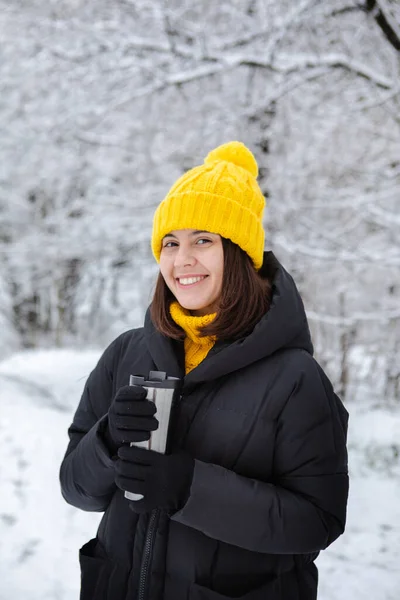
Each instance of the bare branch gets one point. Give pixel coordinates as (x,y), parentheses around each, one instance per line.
(381,12)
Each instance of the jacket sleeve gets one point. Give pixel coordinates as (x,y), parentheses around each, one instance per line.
(303,509)
(87,470)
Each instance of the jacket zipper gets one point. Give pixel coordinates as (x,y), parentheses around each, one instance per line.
(147,553)
(147,550)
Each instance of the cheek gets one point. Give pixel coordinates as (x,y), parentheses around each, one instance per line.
(166,275)
(169,283)
(218,282)
(164,267)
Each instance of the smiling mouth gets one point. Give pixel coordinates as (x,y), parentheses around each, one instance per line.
(188,282)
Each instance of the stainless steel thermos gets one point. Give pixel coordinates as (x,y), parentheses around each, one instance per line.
(161,390)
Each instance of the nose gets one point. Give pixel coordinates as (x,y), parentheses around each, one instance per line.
(184,257)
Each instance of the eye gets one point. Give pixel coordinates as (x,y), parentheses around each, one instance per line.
(203,240)
(168,244)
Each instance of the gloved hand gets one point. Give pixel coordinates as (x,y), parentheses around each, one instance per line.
(163,479)
(130,417)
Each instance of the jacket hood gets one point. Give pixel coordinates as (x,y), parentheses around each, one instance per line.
(284,326)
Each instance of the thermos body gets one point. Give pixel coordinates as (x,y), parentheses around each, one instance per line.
(160,390)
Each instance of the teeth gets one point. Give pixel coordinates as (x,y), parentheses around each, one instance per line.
(190,280)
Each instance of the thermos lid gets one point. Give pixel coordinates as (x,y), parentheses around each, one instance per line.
(156,379)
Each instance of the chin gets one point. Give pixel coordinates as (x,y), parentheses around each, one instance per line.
(192,305)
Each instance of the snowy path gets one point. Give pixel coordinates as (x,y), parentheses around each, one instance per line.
(40,534)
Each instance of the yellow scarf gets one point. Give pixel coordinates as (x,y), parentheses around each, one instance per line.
(196,347)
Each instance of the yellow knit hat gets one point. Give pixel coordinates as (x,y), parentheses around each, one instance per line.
(221,196)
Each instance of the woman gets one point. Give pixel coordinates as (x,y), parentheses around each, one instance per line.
(254,482)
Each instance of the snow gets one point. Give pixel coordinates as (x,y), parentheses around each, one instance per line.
(40,534)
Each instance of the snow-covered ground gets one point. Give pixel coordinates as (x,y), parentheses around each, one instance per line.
(40,534)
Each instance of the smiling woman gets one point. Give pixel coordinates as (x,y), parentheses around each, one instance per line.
(235,281)
(192,267)
(254,482)
(202,292)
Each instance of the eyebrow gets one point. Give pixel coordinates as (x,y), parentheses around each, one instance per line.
(193,233)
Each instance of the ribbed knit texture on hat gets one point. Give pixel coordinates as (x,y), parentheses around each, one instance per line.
(196,347)
(221,196)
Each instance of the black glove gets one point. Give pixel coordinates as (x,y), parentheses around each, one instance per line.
(130,417)
(163,479)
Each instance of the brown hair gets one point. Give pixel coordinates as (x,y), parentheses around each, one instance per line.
(244,299)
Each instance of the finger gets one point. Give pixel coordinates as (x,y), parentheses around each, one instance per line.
(133,392)
(135,407)
(135,423)
(128,436)
(131,470)
(130,485)
(137,455)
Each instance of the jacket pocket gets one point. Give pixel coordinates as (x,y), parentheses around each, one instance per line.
(271,590)
(95,571)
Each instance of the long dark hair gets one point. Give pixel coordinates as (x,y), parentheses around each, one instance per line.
(244,299)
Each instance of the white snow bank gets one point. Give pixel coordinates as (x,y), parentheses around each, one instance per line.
(39,532)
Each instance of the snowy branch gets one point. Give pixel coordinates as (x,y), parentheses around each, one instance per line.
(317,67)
(285,87)
(274,36)
(334,61)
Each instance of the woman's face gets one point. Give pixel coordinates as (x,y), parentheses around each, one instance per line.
(192,264)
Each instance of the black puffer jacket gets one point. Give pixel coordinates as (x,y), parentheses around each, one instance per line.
(270,483)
